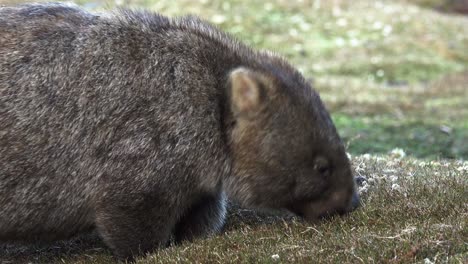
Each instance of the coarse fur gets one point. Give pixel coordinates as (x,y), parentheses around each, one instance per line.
(139,125)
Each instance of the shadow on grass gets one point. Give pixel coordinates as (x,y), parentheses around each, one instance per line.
(239,217)
(89,248)
(78,248)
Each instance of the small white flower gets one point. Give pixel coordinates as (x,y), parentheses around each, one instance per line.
(380,73)
(275,257)
(380,159)
(354,42)
(377,25)
(305,26)
(398,153)
(340,42)
(268,6)
(218,19)
(387,30)
(428,261)
(342,22)
(396,187)
(393,178)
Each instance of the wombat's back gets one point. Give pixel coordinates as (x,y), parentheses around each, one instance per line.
(83,97)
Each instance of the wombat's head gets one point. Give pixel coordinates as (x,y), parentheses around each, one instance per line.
(286,151)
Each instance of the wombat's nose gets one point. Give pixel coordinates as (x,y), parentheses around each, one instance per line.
(355,201)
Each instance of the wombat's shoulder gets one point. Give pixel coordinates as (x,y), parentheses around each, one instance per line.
(187,25)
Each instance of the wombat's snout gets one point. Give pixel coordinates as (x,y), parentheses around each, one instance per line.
(340,203)
(352,205)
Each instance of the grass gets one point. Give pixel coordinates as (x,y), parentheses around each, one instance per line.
(394,75)
(427,120)
(413,210)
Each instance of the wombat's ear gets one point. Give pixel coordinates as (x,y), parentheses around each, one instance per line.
(246,91)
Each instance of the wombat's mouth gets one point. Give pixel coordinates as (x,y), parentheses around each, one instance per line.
(319,217)
(297,209)
(319,209)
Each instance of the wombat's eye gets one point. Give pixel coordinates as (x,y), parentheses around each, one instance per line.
(322,166)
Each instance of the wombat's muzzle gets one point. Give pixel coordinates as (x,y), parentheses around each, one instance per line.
(355,203)
(337,204)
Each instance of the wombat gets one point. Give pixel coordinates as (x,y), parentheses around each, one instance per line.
(140,126)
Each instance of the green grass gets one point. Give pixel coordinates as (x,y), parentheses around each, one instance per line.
(427,121)
(394,75)
(419,138)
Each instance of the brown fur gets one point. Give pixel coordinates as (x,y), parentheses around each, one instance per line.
(137,125)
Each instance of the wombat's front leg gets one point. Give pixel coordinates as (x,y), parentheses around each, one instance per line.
(204,218)
(134,225)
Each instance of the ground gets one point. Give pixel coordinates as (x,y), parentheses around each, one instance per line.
(394,75)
